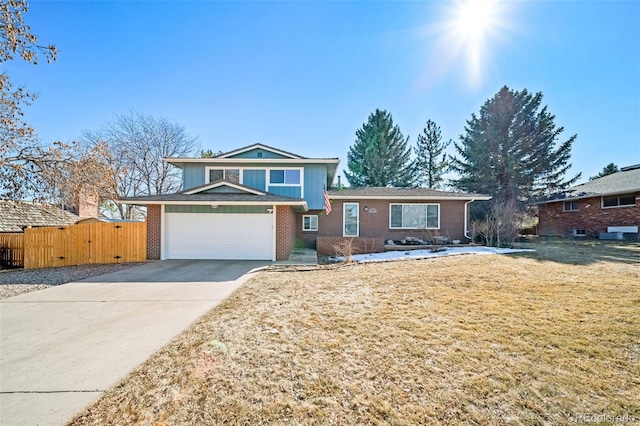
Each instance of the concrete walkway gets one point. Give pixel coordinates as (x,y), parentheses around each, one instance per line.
(62,347)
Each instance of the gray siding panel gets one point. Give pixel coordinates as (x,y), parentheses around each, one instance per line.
(315,179)
(169,208)
(255,179)
(193,175)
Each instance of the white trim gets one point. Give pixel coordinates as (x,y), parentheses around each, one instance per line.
(219,203)
(564,209)
(224,183)
(257,146)
(267,178)
(344,209)
(410,197)
(466,219)
(274,248)
(416,204)
(163,249)
(268,171)
(222,161)
(207,174)
(309,216)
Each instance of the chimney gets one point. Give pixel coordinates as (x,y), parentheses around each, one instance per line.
(86,204)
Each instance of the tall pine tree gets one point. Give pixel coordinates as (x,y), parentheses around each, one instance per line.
(431,161)
(510,149)
(380,155)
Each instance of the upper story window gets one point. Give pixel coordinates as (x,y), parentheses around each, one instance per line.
(570,206)
(619,200)
(284,177)
(414,216)
(231,175)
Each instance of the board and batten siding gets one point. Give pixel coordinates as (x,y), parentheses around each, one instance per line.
(254,178)
(254,154)
(286,191)
(171,208)
(192,175)
(315,179)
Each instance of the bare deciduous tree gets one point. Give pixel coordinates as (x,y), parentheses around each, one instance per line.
(498,225)
(78,172)
(138,143)
(29,168)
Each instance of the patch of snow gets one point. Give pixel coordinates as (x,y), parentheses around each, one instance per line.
(423,254)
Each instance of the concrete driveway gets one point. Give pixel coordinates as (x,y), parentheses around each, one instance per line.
(62,347)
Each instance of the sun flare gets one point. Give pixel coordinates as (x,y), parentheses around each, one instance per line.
(474,18)
(470,30)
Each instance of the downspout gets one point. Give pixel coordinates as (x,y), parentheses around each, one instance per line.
(466,214)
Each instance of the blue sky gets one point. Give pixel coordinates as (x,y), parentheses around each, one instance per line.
(303,76)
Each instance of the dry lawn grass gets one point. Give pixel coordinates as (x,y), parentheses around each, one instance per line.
(521,339)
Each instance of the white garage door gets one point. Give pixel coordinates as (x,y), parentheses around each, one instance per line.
(219,236)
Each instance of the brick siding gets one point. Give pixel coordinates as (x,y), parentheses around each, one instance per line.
(376,225)
(153,232)
(285,231)
(590,216)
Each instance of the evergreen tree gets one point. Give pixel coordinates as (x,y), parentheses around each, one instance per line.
(430,166)
(208,153)
(509,150)
(380,155)
(609,169)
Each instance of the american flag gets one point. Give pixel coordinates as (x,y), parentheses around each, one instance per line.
(327,203)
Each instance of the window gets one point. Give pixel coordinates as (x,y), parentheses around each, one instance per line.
(619,200)
(231,175)
(570,206)
(310,223)
(284,177)
(414,216)
(351,220)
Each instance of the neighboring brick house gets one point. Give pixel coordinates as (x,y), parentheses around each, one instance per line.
(259,202)
(607,204)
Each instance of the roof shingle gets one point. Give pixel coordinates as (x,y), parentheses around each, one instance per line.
(625,181)
(372,192)
(17,215)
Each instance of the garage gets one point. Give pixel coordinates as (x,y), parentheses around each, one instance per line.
(245,236)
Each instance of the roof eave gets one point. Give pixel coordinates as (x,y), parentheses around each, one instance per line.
(592,195)
(217,203)
(258,146)
(409,197)
(180,162)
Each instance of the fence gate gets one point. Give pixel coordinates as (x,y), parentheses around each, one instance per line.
(83,244)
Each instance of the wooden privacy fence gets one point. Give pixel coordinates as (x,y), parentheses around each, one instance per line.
(87,243)
(11,249)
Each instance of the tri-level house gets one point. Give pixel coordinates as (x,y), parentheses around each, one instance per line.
(259,202)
